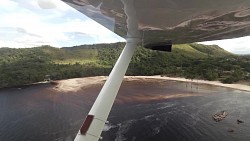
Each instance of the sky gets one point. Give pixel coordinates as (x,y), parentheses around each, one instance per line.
(237,45)
(24,23)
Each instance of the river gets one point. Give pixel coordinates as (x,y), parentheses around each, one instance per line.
(144,111)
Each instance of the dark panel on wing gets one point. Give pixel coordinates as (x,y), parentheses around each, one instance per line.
(162,46)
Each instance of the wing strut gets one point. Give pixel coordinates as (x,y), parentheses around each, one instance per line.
(95,121)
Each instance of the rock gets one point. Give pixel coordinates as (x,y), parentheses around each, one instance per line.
(239,121)
(230,130)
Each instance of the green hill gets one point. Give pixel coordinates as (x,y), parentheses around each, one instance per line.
(212,50)
(29,65)
(85,53)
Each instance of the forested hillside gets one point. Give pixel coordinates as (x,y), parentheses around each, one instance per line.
(29,65)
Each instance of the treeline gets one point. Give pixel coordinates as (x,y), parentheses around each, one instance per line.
(26,66)
(189,61)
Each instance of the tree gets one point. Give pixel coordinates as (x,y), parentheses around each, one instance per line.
(211,75)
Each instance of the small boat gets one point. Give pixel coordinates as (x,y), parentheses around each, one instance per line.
(220,116)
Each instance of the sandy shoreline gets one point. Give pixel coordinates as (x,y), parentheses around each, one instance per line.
(215,83)
(76,84)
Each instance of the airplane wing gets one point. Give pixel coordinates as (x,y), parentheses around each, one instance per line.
(155,23)
(178,21)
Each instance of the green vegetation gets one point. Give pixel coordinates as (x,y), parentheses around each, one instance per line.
(29,65)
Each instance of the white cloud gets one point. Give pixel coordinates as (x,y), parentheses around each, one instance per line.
(7,5)
(237,45)
(29,25)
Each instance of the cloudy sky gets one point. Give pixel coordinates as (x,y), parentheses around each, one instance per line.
(25,24)
(238,45)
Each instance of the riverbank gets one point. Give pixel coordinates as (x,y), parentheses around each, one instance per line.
(76,84)
(241,87)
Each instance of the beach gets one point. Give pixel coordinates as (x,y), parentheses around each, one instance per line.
(76,84)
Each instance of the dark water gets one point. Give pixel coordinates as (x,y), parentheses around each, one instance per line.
(144,111)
